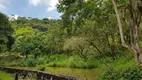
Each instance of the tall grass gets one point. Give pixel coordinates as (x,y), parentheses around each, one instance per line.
(56,60)
(73,61)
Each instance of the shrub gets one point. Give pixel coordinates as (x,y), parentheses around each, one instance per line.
(31,62)
(124,74)
(132,74)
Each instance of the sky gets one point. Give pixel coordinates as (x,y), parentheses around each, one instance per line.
(30,8)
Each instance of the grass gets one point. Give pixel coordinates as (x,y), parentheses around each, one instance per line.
(5,76)
(126,61)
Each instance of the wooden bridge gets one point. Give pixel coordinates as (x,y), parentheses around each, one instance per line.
(40,75)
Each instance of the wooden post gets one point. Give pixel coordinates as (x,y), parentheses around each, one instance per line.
(16,76)
(38,76)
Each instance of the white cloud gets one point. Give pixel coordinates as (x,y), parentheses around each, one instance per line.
(50,17)
(13,17)
(16,17)
(51,4)
(35,2)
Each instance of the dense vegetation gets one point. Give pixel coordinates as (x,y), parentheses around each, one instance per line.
(91,34)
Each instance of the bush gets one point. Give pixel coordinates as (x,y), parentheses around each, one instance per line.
(132,74)
(31,62)
(124,74)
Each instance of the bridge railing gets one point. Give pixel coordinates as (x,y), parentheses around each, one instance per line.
(40,75)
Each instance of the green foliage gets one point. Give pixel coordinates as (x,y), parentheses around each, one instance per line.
(6,30)
(124,74)
(55,38)
(22,32)
(28,41)
(5,27)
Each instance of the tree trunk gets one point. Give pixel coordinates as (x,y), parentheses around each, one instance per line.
(137,56)
(134,23)
(119,23)
(135,46)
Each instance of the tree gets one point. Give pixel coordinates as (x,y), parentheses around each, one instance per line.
(71,10)
(5,32)
(55,38)
(135,18)
(80,46)
(92,20)
(24,41)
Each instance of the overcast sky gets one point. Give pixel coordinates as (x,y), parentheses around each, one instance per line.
(30,8)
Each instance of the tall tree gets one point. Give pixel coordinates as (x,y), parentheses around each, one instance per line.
(5,31)
(134,23)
